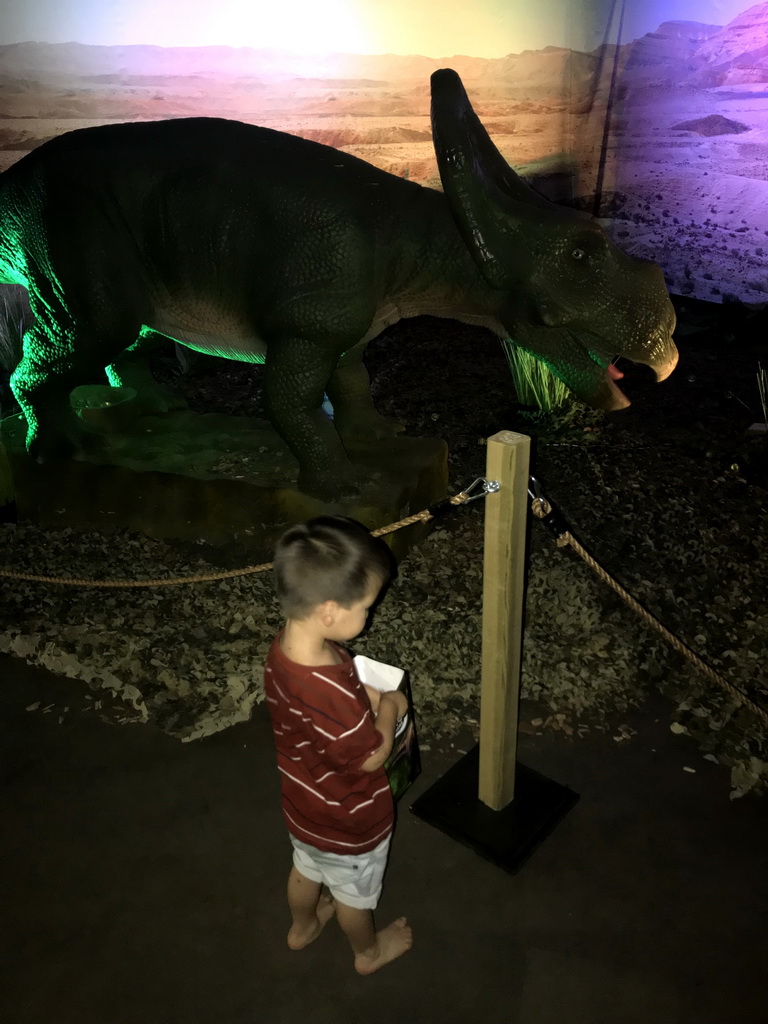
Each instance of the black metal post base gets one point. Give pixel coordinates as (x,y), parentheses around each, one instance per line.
(507,837)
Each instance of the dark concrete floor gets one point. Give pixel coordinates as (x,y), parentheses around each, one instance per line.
(145,882)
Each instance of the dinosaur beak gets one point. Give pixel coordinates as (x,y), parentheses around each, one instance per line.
(609,396)
(663,370)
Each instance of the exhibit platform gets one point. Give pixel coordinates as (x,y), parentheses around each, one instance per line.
(228,483)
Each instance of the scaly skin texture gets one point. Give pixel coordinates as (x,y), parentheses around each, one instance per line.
(257,245)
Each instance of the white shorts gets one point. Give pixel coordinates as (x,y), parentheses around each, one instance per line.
(354,880)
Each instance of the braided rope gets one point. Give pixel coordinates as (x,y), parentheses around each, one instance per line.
(420,517)
(72,582)
(541,508)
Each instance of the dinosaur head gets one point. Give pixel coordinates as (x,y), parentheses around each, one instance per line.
(564,291)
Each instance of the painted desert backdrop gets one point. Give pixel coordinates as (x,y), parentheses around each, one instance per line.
(671,128)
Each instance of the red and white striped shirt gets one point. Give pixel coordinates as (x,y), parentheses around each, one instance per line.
(324,731)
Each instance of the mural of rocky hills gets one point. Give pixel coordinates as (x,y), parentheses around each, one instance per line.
(688,160)
(682,174)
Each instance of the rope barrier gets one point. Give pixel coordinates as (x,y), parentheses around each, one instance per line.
(435,511)
(550,517)
(542,509)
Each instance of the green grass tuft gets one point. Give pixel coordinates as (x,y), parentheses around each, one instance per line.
(535,383)
(15,317)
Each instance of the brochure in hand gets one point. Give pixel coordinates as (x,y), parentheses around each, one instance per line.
(403,766)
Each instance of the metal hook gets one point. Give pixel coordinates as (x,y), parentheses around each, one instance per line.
(486,487)
(534,489)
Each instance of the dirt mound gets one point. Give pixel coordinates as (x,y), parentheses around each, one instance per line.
(715,124)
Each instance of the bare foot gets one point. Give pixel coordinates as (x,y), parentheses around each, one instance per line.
(326,908)
(392,942)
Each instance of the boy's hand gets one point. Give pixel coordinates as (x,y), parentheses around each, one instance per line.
(374,696)
(399,699)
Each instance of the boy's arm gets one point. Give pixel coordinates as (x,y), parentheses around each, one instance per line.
(389,711)
(374,696)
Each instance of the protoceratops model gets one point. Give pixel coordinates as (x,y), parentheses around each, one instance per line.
(259,246)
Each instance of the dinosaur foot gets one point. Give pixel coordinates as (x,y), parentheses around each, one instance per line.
(378,428)
(154,399)
(346,484)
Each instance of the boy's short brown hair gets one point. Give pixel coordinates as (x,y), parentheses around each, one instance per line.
(329,558)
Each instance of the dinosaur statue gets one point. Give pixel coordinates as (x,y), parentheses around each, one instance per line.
(260,246)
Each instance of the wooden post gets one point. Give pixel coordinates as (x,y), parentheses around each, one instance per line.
(501,809)
(506,514)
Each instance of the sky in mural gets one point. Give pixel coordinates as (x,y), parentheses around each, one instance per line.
(495,27)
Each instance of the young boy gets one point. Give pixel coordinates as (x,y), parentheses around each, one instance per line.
(333,736)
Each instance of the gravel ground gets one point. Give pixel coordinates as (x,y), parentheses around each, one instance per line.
(669,496)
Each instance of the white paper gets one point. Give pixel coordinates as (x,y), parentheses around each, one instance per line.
(377,674)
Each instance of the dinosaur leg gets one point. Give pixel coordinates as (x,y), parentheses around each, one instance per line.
(41,385)
(56,360)
(296,376)
(131,370)
(349,391)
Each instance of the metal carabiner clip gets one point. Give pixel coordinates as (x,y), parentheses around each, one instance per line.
(545,511)
(484,487)
(534,490)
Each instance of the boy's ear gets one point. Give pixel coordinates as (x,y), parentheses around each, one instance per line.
(327,611)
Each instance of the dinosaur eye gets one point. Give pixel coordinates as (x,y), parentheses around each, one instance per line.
(578,254)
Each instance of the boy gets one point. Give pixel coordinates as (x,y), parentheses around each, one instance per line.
(333,736)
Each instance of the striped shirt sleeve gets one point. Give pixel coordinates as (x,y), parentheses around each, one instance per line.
(337,718)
